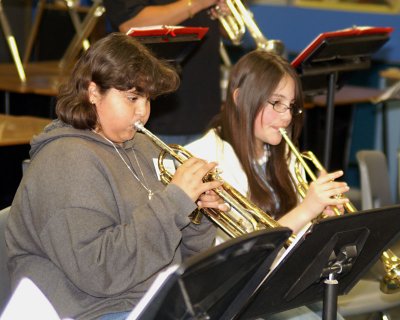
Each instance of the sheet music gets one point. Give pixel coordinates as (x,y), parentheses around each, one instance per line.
(154,288)
(28,302)
(284,252)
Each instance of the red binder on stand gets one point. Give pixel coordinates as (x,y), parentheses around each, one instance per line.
(172,43)
(374,37)
(338,51)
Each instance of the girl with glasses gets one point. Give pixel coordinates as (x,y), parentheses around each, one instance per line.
(264,95)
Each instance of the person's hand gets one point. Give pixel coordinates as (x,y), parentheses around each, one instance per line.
(220,8)
(330,211)
(189,177)
(322,195)
(205,4)
(210,199)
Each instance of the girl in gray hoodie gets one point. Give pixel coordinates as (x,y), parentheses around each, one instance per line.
(91,224)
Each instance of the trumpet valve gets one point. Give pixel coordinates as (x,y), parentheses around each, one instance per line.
(390,283)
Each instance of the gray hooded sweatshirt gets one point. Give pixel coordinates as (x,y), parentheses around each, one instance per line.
(83,229)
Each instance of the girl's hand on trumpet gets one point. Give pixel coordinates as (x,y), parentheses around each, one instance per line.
(322,194)
(210,199)
(328,211)
(320,198)
(189,177)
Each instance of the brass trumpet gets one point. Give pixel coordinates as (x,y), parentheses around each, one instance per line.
(243,217)
(235,26)
(302,185)
(390,282)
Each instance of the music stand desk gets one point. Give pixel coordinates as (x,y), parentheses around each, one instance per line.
(299,279)
(218,280)
(334,53)
(349,95)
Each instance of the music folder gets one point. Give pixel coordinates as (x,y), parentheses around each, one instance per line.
(172,43)
(220,279)
(356,240)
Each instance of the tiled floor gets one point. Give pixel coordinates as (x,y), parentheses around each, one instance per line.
(392,314)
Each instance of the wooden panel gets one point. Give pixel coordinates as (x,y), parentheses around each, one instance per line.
(43,78)
(17,130)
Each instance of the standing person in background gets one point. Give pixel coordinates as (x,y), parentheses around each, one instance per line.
(91,225)
(182,116)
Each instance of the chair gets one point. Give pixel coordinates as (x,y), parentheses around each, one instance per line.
(374,178)
(366,298)
(25,165)
(5,287)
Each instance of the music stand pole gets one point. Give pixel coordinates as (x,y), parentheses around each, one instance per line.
(343,263)
(330,113)
(330,298)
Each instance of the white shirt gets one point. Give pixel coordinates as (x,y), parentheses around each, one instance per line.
(211,147)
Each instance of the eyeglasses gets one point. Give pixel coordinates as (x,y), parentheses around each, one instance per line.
(280,107)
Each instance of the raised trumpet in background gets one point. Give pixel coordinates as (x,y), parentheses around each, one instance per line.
(390,282)
(240,18)
(235,22)
(243,217)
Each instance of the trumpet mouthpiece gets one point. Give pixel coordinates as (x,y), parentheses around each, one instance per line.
(138,125)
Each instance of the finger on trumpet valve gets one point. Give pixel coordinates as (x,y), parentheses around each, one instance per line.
(218,170)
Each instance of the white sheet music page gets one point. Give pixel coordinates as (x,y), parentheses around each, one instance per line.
(154,288)
(28,302)
(284,252)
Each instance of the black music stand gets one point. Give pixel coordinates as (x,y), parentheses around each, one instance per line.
(327,262)
(172,43)
(208,284)
(331,54)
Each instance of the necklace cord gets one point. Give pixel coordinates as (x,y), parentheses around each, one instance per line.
(130,167)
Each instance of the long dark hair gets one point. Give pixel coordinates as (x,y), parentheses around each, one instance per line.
(115,61)
(257,74)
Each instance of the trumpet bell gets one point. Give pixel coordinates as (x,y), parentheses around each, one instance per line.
(390,282)
(275,46)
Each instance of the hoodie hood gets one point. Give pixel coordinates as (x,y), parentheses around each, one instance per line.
(58,129)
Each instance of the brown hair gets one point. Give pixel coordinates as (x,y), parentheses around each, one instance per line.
(257,74)
(115,61)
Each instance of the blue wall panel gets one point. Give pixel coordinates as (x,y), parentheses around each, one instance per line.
(297,27)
